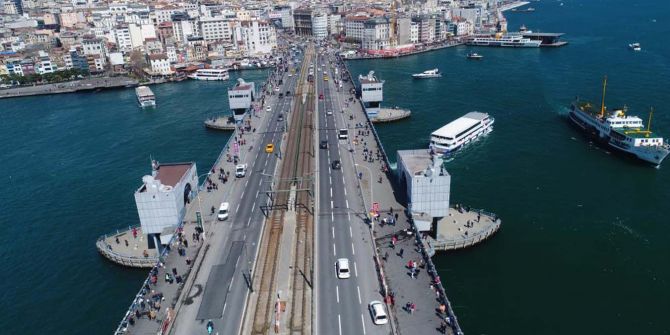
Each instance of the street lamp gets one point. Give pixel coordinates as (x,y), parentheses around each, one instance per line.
(198,214)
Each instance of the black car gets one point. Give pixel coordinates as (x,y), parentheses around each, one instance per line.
(288,93)
(336,165)
(323,145)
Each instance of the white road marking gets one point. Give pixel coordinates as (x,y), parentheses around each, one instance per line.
(224,308)
(363,322)
(330,179)
(248,221)
(243,193)
(337,293)
(331,204)
(237,208)
(355,270)
(333,232)
(359,294)
(332,216)
(231,283)
(353,250)
(246,183)
(351,233)
(339,323)
(345,191)
(347,202)
(237,261)
(331,192)
(334,254)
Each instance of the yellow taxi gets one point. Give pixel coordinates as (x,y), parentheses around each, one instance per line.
(270,148)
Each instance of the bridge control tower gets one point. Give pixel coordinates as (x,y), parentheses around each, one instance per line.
(241,98)
(371,93)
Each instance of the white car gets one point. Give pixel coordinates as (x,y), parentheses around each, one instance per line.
(223,211)
(240,170)
(268,109)
(342,268)
(329,112)
(378,313)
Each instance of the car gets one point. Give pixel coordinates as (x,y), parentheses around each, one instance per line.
(268,109)
(336,165)
(290,75)
(343,134)
(281,95)
(288,93)
(270,148)
(321,96)
(329,112)
(240,170)
(223,211)
(323,145)
(277,89)
(342,268)
(378,313)
(325,73)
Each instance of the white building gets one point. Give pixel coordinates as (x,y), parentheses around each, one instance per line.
(354,26)
(161,200)
(160,64)
(376,34)
(334,24)
(216,28)
(320,26)
(427,183)
(372,93)
(44,65)
(255,37)
(95,49)
(122,37)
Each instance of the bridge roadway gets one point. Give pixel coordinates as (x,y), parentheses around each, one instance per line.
(341,232)
(220,289)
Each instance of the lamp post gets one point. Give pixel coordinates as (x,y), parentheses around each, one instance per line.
(198,214)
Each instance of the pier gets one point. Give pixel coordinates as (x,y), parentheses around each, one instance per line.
(83,85)
(390,115)
(221,123)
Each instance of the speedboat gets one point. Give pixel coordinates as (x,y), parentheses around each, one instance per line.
(434,73)
(475,56)
(635,46)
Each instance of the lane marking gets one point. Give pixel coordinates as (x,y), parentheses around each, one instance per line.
(224,308)
(243,193)
(248,221)
(332,216)
(339,323)
(359,295)
(347,202)
(331,204)
(238,208)
(331,192)
(353,250)
(337,293)
(237,261)
(355,270)
(345,191)
(363,322)
(351,233)
(333,233)
(253,207)
(334,254)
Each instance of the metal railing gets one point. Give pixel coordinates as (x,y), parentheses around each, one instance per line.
(453,244)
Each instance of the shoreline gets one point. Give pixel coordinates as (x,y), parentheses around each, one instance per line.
(411,53)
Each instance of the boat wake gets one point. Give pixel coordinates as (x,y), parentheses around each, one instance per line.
(628,230)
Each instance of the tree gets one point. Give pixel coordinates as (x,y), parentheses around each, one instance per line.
(137,63)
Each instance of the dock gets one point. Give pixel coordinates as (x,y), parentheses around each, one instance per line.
(128,247)
(221,123)
(390,115)
(84,85)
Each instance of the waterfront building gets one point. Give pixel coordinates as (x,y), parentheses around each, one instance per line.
(371,93)
(404,30)
(75,60)
(427,184)
(216,28)
(161,200)
(184,26)
(122,37)
(160,64)
(376,34)
(354,27)
(45,65)
(94,48)
(414,32)
(241,98)
(255,37)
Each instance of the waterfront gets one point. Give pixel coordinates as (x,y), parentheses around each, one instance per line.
(72,163)
(584,245)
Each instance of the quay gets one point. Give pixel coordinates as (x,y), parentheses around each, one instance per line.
(221,123)
(511,5)
(128,248)
(83,85)
(418,50)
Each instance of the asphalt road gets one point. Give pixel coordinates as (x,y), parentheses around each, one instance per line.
(227,257)
(341,304)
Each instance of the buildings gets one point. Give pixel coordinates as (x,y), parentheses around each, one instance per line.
(302,18)
(376,34)
(255,37)
(320,26)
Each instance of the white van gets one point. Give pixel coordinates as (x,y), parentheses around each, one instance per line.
(223,211)
(377,312)
(342,268)
(343,134)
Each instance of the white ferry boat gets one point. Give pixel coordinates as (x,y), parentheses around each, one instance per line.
(503,40)
(635,46)
(623,132)
(210,74)
(145,96)
(460,132)
(434,73)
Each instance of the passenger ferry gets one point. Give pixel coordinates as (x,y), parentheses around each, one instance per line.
(210,74)
(434,73)
(503,40)
(145,96)
(460,132)
(623,132)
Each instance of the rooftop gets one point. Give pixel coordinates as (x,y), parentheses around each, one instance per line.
(171,174)
(455,127)
(417,161)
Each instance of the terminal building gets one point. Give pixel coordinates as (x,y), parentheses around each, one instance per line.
(161,200)
(241,98)
(427,184)
(371,93)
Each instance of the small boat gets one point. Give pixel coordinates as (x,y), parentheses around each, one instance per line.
(475,56)
(635,46)
(434,73)
(145,96)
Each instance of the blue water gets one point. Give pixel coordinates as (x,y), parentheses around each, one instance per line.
(584,243)
(70,166)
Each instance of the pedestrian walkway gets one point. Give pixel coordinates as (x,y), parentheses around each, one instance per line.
(376,182)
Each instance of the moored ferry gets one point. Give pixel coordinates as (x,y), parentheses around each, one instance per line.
(623,132)
(503,40)
(210,74)
(460,132)
(145,96)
